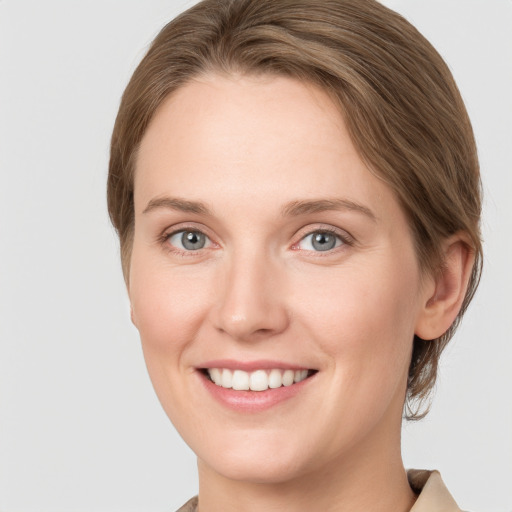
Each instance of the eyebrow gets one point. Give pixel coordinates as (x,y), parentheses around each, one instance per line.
(292,209)
(174,203)
(296,208)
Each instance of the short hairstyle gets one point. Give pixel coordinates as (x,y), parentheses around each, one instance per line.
(397,96)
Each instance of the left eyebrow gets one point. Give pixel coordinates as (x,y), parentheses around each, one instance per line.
(295,208)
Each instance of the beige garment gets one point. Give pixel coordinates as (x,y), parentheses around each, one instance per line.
(190,506)
(433,495)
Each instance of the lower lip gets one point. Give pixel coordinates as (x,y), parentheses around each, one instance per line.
(252,401)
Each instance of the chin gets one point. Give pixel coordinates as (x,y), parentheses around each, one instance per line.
(261,471)
(254,459)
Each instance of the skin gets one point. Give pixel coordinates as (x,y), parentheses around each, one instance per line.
(246,148)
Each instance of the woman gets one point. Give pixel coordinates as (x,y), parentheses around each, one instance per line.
(296,190)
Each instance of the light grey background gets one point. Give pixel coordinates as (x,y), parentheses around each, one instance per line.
(80,427)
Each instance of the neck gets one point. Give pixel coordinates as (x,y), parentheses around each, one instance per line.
(371,479)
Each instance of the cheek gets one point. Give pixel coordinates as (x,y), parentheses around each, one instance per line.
(365,322)
(168,307)
(168,311)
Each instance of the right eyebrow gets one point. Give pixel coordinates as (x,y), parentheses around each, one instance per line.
(175,203)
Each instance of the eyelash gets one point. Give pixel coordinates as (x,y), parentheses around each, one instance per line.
(345,239)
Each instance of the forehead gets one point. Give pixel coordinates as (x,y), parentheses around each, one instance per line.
(225,103)
(222,136)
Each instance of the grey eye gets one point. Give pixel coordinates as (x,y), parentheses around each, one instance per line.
(189,240)
(320,241)
(323,241)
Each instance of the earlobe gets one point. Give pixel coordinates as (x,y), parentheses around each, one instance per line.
(442,305)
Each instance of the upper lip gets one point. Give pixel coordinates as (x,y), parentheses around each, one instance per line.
(249,366)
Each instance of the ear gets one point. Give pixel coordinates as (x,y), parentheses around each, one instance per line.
(446,290)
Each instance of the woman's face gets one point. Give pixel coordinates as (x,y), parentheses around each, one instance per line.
(264,251)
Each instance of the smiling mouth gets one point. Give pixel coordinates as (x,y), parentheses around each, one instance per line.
(258,380)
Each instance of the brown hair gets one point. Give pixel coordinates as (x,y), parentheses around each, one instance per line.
(397,96)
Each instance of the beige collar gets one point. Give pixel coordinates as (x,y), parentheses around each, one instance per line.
(433,493)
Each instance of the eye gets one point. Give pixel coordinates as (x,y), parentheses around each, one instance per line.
(188,240)
(320,241)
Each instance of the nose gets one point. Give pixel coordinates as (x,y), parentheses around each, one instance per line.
(252,302)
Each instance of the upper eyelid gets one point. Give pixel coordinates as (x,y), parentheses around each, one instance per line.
(324,228)
(169,231)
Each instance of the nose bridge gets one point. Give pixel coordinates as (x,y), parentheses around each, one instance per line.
(250,300)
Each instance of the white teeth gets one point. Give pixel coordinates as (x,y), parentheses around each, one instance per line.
(216,376)
(240,380)
(300,375)
(275,379)
(288,376)
(259,380)
(227,378)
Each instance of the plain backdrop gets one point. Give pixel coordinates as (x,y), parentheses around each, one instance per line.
(80,427)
